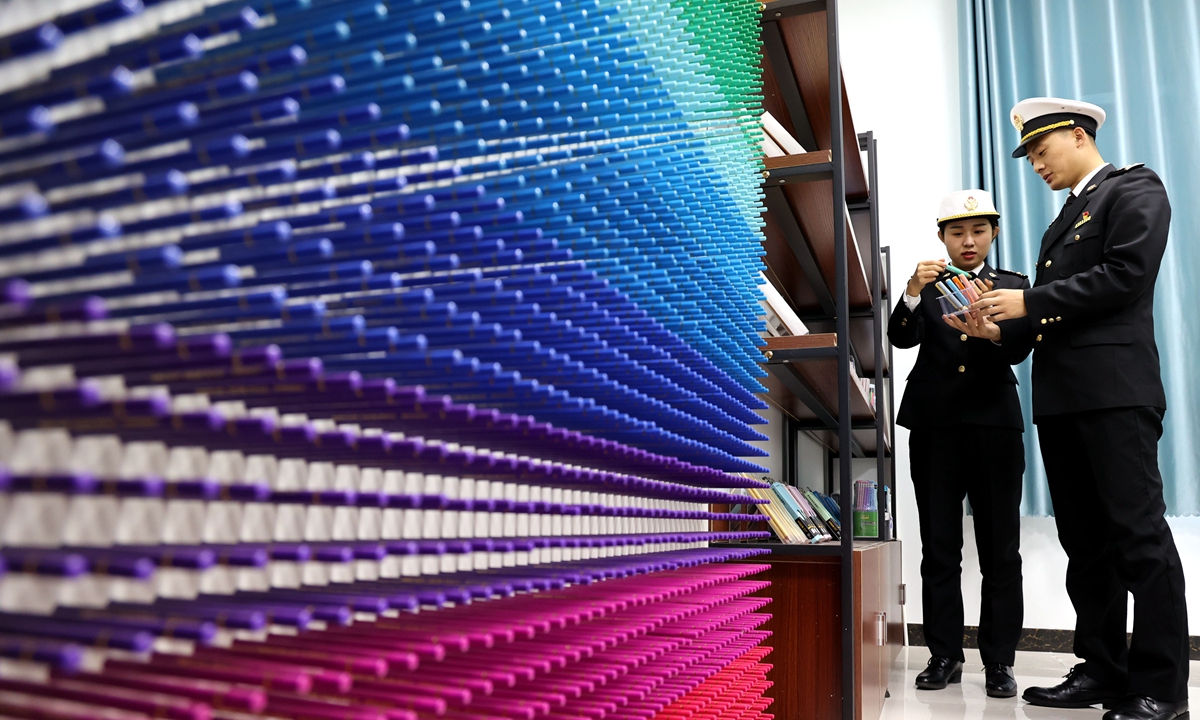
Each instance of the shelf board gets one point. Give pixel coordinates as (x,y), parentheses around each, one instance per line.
(776,9)
(827,549)
(795,348)
(817,165)
(799,37)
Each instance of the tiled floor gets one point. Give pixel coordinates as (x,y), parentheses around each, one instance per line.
(968,700)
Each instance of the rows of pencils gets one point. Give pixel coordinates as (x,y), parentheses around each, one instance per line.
(371,359)
(656,644)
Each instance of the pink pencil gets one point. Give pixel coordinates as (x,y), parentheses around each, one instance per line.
(371,654)
(287,680)
(257,651)
(220,694)
(454,696)
(309,708)
(321,679)
(157,704)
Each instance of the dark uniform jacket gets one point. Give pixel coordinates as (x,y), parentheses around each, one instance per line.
(1091,310)
(958,379)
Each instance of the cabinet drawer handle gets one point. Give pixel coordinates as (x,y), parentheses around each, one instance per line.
(881,629)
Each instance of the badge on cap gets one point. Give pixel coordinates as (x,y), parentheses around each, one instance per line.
(1045,114)
(966,204)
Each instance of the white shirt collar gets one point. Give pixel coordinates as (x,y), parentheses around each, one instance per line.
(1078,189)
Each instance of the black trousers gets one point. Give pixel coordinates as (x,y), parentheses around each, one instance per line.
(1102,467)
(949,464)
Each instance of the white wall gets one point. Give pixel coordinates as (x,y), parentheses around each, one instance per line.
(900,60)
(901,66)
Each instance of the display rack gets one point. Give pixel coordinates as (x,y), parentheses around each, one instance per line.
(823,254)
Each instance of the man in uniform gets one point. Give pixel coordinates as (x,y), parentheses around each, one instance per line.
(960,390)
(1098,402)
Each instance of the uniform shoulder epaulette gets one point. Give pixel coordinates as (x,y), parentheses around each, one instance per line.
(1115,173)
(1012,272)
(1127,168)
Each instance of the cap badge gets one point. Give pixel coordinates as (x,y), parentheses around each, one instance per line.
(971,203)
(1019,122)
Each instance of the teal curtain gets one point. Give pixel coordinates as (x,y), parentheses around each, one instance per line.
(1140,61)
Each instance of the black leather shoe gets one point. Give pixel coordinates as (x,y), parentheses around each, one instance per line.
(939,673)
(1000,681)
(1077,691)
(1138,707)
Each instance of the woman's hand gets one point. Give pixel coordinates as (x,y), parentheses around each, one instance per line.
(927,271)
(974,324)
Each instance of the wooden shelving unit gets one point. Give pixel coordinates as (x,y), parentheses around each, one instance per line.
(823,254)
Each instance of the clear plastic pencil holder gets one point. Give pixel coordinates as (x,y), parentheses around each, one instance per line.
(949,307)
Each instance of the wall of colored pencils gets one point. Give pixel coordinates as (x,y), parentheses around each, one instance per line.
(379,359)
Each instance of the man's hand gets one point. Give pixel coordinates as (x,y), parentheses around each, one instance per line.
(975,325)
(1000,305)
(927,271)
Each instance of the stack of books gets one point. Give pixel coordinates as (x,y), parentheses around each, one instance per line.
(799,516)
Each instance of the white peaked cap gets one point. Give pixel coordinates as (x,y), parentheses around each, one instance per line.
(967,204)
(1034,117)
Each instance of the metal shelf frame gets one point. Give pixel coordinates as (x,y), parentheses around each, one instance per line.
(835,307)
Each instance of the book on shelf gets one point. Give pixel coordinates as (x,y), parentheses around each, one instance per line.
(866,384)
(832,504)
(777,141)
(782,320)
(781,521)
(799,516)
(786,494)
(818,503)
(808,516)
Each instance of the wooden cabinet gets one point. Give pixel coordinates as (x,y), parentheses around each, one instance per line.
(879,629)
(806,626)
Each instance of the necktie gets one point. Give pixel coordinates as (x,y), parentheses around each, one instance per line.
(1052,231)
(1066,206)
